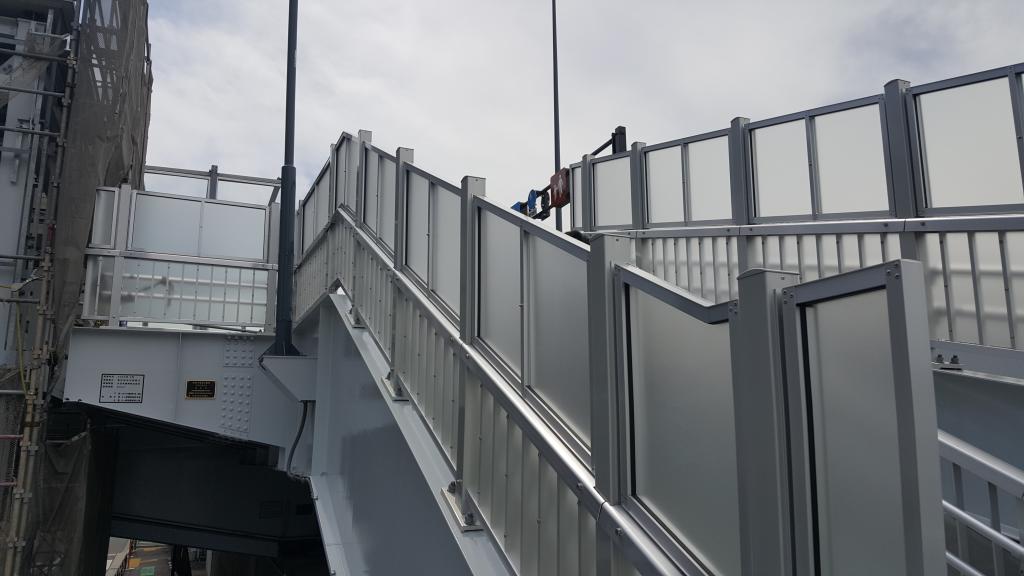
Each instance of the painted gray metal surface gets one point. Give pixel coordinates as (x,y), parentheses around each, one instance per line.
(374,480)
(761,423)
(246,404)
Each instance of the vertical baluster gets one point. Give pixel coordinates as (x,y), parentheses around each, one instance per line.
(996,524)
(950,308)
(979,310)
(1011,313)
(958,500)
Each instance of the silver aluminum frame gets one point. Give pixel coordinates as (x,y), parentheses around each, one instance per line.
(575,194)
(527,228)
(919,156)
(325,171)
(683,144)
(113,218)
(903,282)
(761,418)
(371,149)
(266,223)
(808,117)
(117,277)
(424,284)
(589,166)
(338,186)
(626,278)
(629,538)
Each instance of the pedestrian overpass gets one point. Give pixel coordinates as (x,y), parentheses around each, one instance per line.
(789,346)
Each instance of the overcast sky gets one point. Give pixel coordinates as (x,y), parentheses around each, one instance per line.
(467,83)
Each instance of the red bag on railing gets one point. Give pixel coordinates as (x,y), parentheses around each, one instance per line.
(560,188)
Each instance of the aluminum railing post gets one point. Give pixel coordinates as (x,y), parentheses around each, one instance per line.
(125,200)
(587,193)
(365,138)
(471,188)
(758,398)
(605,252)
(740,183)
(403,156)
(898,142)
(638,194)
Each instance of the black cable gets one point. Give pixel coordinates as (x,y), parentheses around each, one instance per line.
(298,434)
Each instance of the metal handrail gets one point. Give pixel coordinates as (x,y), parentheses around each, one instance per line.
(982,464)
(566,464)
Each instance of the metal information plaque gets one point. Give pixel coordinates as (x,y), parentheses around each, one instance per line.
(121,388)
(200,389)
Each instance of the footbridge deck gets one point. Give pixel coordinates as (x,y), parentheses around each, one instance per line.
(791,346)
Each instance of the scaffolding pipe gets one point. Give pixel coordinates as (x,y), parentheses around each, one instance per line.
(30,131)
(19,257)
(34,414)
(20,300)
(33,55)
(31,91)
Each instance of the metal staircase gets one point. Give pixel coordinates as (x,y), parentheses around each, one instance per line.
(790,347)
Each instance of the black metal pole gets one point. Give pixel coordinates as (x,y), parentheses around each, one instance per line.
(286,244)
(558,145)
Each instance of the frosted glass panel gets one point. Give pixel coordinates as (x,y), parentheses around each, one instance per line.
(684,430)
(99,274)
(103,218)
(242,192)
(308,214)
(180,185)
(782,183)
(559,365)
(665,185)
(577,197)
(387,202)
(970,146)
(612,193)
(710,195)
(855,437)
(500,321)
(232,232)
(180,292)
(167,225)
(416,216)
(851,163)
(322,197)
(446,229)
(370,191)
(350,154)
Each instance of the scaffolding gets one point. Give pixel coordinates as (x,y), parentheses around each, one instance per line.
(51,54)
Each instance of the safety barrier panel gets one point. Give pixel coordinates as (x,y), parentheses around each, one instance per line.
(985,506)
(580,431)
(179,259)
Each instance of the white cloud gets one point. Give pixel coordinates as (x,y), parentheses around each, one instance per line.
(467,83)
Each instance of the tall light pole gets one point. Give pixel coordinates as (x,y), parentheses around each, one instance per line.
(558,144)
(286,242)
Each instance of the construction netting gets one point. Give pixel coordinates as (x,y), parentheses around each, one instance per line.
(106,142)
(102,143)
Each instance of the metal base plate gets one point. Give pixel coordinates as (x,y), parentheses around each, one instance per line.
(456,512)
(395,390)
